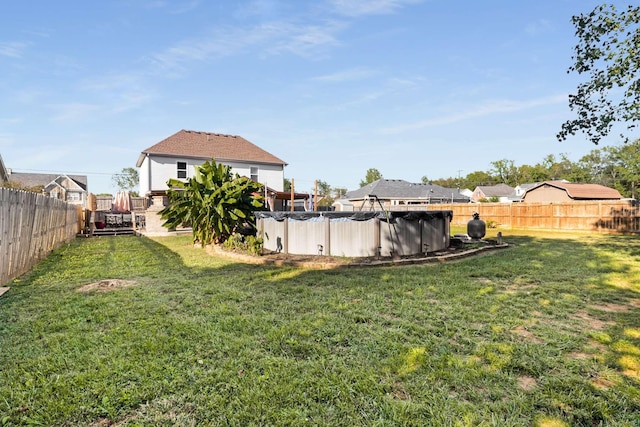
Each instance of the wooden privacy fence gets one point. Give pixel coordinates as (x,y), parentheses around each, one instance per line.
(31,226)
(621,216)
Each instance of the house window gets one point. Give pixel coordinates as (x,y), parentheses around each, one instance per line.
(182,170)
(73,196)
(254,174)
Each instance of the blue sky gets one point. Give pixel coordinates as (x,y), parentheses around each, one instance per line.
(333,87)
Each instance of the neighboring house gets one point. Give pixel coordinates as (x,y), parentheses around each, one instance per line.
(500,191)
(67,189)
(467,192)
(558,191)
(177,155)
(518,192)
(398,192)
(70,188)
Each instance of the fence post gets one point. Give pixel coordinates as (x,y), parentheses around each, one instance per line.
(285,237)
(327,236)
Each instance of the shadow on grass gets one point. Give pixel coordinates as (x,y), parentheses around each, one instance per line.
(204,340)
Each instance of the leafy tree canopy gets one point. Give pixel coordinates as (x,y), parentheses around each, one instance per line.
(372,175)
(608,52)
(126,180)
(17,185)
(215,202)
(613,166)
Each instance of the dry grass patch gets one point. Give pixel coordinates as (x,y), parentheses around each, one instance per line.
(522,332)
(107,285)
(526,383)
(611,308)
(594,324)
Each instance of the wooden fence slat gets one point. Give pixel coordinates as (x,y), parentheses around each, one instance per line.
(589,215)
(31,226)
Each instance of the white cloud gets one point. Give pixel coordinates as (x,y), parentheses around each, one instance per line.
(308,40)
(174,7)
(12,49)
(369,7)
(270,38)
(538,27)
(346,75)
(481,110)
(72,112)
(130,101)
(10,120)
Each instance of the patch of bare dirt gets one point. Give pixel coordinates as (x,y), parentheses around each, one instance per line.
(593,323)
(602,383)
(521,331)
(399,392)
(611,308)
(514,289)
(579,355)
(107,285)
(526,383)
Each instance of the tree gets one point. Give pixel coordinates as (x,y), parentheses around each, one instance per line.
(17,185)
(339,192)
(626,164)
(372,175)
(477,178)
(608,51)
(126,180)
(328,193)
(215,202)
(324,191)
(506,171)
(594,166)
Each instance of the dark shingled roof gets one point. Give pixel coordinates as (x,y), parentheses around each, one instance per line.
(36,179)
(401,189)
(205,145)
(498,190)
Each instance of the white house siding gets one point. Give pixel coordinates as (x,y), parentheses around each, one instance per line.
(144,175)
(155,171)
(270,175)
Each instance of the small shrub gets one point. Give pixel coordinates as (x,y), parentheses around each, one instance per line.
(492,224)
(248,244)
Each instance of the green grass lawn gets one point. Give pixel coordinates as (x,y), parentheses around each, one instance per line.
(544,333)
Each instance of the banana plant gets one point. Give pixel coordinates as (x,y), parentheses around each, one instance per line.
(214,202)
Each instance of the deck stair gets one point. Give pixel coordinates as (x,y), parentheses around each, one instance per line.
(115,231)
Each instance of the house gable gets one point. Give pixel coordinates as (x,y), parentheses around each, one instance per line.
(177,156)
(205,146)
(551,191)
(502,191)
(44,179)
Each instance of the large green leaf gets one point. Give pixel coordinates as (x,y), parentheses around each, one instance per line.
(214,202)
